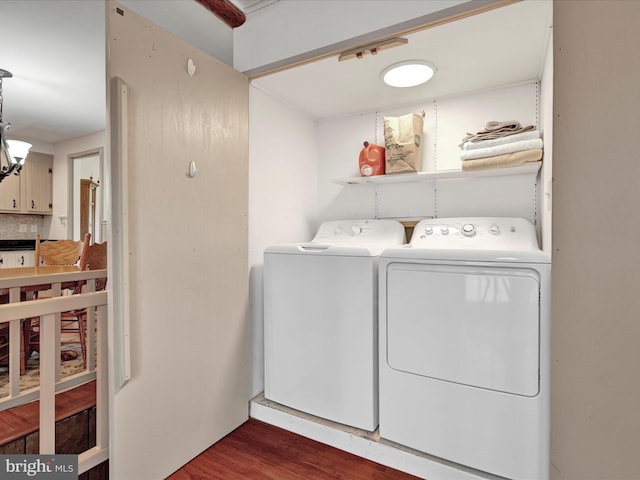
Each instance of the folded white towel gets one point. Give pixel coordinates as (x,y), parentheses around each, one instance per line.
(502,161)
(535,144)
(530,135)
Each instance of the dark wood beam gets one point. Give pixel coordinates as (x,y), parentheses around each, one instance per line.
(225,11)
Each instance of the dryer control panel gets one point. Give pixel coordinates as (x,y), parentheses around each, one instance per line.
(481,233)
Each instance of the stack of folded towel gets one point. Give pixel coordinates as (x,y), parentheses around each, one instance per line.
(501,144)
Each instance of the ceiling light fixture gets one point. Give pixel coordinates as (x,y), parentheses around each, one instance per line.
(408,74)
(12,152)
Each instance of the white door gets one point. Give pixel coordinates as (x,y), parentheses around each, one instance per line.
(187,251)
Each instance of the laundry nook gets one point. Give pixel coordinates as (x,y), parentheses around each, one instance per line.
(461,316)
(310,240)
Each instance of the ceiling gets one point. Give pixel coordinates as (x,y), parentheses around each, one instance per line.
(56,54)
(501,47)
(55,50)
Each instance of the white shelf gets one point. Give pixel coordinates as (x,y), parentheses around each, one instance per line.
(527,168)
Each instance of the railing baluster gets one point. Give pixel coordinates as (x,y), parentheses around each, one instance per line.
(47,384)
(14,357)
(100,452)
(91,330)
(14,348)
(102,392)
(56,292)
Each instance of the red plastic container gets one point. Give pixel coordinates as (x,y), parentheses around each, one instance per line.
(372,160)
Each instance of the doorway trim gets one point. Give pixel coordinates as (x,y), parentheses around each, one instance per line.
(71,159)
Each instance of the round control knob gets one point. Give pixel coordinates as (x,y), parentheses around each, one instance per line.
(356,230)
(444,230)
(468,230)
(428,229)
(495,229)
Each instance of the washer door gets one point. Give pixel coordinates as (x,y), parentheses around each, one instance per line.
(477,326)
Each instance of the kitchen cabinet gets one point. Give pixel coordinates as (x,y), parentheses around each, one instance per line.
(31,191)
(37,178)
(10,194)
(6,259)
(21,258)
(88,207)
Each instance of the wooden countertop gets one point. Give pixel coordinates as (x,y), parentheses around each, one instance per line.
(29,276)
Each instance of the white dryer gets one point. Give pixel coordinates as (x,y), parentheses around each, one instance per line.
(465,345)
(321,321)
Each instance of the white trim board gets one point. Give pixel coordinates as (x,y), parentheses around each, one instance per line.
(358,442)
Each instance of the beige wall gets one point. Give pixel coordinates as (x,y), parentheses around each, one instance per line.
(184,270)
(595,408)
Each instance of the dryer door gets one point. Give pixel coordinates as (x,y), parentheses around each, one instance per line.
(473,325)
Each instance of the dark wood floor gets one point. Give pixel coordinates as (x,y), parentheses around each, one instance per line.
(20,421)
(257,450)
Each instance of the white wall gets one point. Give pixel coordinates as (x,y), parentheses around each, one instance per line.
(446,122)
(282,196)
(339,143)
(290,29)
(58,228)
(190,21)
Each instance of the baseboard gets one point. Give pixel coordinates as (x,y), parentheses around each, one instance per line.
(358,442)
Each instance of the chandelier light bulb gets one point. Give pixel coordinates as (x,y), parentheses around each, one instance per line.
(18,150)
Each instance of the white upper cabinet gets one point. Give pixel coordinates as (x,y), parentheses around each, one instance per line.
(10,194)
(38,180)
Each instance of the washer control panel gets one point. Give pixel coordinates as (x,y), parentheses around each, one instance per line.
(360,232)
(508,233)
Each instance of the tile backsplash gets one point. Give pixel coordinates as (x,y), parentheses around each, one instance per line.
(20,227)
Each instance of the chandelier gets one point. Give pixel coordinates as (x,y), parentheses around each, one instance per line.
(12,152)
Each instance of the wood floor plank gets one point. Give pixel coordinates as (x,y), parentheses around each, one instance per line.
(19,421)
(258,451)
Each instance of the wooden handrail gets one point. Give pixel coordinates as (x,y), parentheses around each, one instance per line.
(225,11)
(70,276)
(38,308)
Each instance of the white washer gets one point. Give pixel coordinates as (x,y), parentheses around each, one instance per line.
(465,345)
(320,321)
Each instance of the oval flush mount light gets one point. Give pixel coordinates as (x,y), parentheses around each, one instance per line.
(408,74)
